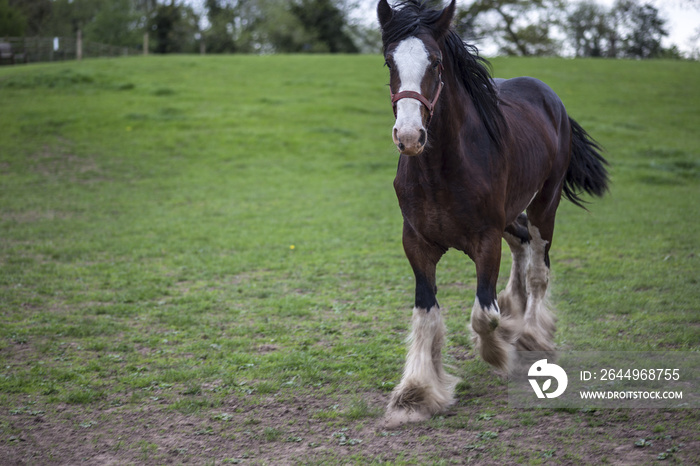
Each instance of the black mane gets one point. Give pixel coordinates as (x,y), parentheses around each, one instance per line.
(413,17)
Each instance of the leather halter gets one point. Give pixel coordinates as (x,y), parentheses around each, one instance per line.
(429,104)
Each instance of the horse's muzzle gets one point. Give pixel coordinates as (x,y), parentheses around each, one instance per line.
(410,141)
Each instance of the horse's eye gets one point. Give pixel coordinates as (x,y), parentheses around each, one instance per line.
(387,64)
(436,64)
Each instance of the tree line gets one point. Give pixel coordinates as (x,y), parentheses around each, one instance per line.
(173,26)
(584,28)
(627,29)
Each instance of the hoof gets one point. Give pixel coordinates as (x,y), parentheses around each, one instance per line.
(395,418)
(496,347)
(412,402)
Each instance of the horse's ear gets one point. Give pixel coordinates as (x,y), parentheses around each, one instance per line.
(442,25)
(384,13)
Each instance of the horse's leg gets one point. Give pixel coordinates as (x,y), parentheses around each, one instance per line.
(513,299)
(425,387)
(493,332)
(538,326)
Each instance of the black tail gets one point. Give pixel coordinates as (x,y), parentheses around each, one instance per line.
(586,171)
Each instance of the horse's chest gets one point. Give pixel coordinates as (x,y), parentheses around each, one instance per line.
(436,215)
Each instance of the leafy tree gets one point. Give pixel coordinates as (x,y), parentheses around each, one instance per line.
(219,37)
(324,23)
(531,40)
(640,28)
(521,27)
(116,23)
(628,29)
(272,28)
(260,26)
(67,16)
(12,21)
(242,25)
(175,27)
(36,14)
(588,29)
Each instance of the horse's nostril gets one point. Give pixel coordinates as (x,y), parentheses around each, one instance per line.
(422,138)
(401,146)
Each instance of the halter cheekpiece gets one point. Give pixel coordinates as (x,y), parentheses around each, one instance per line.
(430,105)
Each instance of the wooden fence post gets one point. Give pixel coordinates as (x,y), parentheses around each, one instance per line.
(79,45)
(145,43)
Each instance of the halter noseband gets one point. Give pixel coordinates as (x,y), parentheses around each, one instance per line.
(430,105)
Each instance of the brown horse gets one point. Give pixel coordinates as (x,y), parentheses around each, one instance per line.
(476,154)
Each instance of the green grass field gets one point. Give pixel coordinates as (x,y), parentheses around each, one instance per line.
(200,261)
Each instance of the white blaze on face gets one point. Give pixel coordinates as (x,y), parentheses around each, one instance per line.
(411,61)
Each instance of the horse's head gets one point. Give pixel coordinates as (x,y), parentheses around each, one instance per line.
(410,37)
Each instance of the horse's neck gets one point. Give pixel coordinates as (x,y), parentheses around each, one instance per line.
(459,143)
(455,118)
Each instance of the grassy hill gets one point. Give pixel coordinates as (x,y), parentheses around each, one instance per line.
(210,247)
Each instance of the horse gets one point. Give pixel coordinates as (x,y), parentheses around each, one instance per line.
(480,159)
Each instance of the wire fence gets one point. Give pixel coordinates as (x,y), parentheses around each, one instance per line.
(41,49)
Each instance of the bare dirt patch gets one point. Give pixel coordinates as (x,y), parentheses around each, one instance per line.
(31,216)
(60,163)
(292,428)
